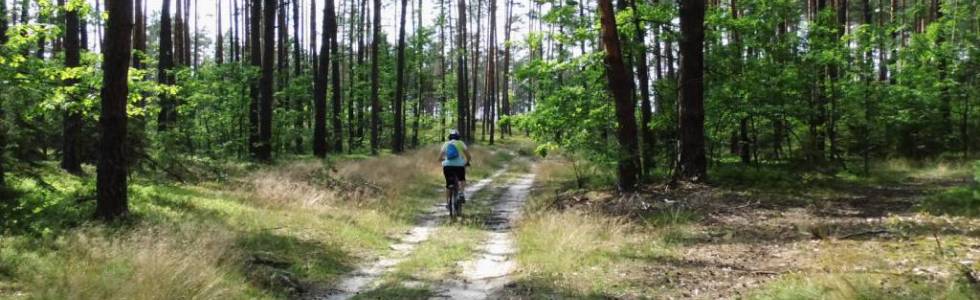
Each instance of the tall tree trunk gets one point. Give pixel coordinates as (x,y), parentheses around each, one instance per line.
(137,134)
(313,48)
(320,91)
(98,24)
(188,59)
(178,34)
(491,90)
(70,160)
(476,70)
(398,140)
(691,164)
(362,26)
(442,70)
(620,85)
(646,108)
(235,40)
(254,35)
(505,104)
(168,107)
(338,128)
(351,77)
(219,51)
(111,184)
(197,32)
(420,56)
(375,78)
(462,91)
(266,83)
(297,72)
(3,128)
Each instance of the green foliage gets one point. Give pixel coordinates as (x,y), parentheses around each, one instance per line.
(957,201)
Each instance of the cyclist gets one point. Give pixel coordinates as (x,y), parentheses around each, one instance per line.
(454,165)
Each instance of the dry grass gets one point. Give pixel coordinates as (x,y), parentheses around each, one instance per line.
(309,183)
(142,264)
(928,170)
(576,254)
(297,184)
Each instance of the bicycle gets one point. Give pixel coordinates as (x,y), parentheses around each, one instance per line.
(456,198)
(454,203)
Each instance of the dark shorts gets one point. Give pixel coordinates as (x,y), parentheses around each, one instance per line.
(451,172)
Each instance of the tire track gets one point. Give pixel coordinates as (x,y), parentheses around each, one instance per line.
(366,276)
(492,269)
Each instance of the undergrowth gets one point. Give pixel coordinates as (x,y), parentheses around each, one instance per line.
(271,232)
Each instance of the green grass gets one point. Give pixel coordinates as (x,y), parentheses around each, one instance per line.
(265,233)
(438,258)
(861,286)
(961,201)
(577,254)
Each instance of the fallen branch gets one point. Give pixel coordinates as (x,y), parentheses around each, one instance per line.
(156,165)
(867,232)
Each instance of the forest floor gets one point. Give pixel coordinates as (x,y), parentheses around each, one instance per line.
(357,227)
(756,233)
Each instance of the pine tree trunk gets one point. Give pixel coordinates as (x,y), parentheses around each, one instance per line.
(267,80)
(462,105)
(375,78)
(418,99)
(621,87)
(197,33)
(219,50)
(320,92)
(338,128)
(234,31)
(112,200)
(168,107)
(491,90)
(70,160)
(691,161)
(253,35)
(505,104)
(3,128)
(646,108)
(442,70)
(398,140)
(314,60)
(351,77)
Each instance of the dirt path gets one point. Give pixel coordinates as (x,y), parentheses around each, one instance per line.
(491,270)
(366,276)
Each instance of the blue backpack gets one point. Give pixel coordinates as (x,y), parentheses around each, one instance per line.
(451,151)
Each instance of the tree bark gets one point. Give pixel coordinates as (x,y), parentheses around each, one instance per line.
(72,125)
(375,78)
(320,91)
(168,107)
(253,35)
(351,78)
(646,108)
(442,70)
(3,128)
(420,80)
(398,140)
(462,91)
(219,51)
(112,201)
(620,85)
(338,128)
(691,161)
(505,104)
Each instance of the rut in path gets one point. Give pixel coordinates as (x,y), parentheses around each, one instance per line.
(364,277)
(491,269)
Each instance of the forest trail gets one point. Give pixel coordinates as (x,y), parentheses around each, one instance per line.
(365,277)
(491,270)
